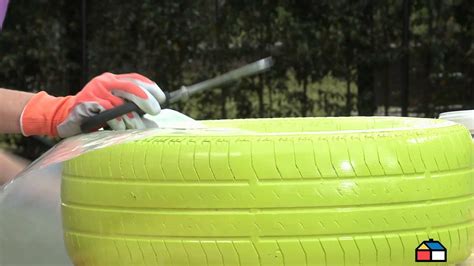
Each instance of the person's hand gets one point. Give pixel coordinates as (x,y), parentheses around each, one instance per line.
(62,116)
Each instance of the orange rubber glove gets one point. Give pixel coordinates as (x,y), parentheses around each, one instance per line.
(62,116)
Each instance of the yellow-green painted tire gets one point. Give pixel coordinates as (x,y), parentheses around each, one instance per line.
(305,191)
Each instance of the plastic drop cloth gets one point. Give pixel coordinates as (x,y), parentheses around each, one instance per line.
(30,218)
(30,209)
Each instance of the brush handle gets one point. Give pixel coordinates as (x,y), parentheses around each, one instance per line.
(100,120)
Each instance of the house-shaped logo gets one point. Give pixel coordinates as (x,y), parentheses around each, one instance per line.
(431,250)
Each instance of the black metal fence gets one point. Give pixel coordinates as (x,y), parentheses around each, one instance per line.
(332,58)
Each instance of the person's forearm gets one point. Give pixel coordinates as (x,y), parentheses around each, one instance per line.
(12,104)
(10,166)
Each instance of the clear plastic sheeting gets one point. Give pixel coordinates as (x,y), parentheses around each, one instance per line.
(30,205)
(30,220)
(168,120)
(464,117)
